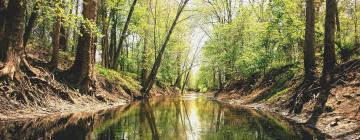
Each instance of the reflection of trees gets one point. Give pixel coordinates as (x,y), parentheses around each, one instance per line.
(163,118)
(147,111)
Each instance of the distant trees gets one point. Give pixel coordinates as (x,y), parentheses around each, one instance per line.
(152,77)
(123,35)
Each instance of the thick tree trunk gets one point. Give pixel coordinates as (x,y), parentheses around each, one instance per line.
(152,77)
(123,35)
(11,48)
(329,60)
(309,50)
(31,23)
(82,71)
(56,45)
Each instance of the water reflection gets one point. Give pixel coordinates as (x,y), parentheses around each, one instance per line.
(183,118)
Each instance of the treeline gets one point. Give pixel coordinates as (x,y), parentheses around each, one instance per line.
(253,37)
(129,36)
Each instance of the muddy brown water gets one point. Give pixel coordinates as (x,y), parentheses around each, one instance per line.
(190,117)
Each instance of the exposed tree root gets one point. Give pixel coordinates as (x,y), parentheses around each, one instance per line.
(341,76)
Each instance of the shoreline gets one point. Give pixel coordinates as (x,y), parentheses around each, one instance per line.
(298,119)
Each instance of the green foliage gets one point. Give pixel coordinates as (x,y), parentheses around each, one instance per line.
(256,42)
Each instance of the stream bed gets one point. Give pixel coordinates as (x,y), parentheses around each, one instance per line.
(189,117)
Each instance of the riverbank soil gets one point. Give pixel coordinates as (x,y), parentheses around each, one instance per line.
(41,92)
(283,91)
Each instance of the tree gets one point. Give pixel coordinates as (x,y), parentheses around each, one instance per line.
(30,24)
(151,78)
(329,60)
(81,72)
(309,51)
(11,48)
(123,35)
(329,41)
(105,39)
(2,15)
(53,64)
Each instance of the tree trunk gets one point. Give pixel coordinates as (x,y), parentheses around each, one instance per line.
(152,77)
(105,39)
(31,23)
(81,72)
(2,15)
(356,43)
(64,36)
(309,50)
(11,48)
(144,69)
(329,60)
(329,41)
(123,35)
(56,45)
(112,38)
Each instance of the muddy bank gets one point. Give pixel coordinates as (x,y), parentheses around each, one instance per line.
(276,90)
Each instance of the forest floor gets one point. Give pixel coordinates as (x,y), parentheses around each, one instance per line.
(37,96)
(276,90)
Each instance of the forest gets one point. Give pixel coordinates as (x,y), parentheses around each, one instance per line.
(294,57)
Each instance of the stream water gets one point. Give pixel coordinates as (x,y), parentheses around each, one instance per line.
(189,117)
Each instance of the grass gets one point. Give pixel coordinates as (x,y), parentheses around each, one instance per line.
(277,94)
(119,78)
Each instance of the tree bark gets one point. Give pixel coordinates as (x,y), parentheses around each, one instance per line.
(11,48)
(81,72)
(152,77)
(2,15)
(53,64)
(64,37)
(105,39)
(329,60)
(329,41)
(113,38)
(31,23)
(309,49)
(356,43)
(123,35)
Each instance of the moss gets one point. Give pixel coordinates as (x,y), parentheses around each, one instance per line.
(121,79)
(278,94)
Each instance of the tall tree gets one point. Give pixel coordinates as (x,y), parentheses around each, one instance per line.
(329,41)
(53,64)
(11,48)
(309,51)
(105,39)
(329,59)
(152,77)
(123,35)
(81,72)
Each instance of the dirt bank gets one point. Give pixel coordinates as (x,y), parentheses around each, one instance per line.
(41,93)
(279,91)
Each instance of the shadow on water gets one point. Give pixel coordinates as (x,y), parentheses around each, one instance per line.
(188,117)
